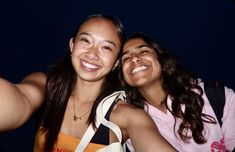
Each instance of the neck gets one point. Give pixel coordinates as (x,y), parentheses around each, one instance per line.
(87,91)
(155,95)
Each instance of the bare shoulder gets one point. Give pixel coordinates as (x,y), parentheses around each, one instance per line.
(137,125)
(124,108)
(127,115)
(33,88)
(36,77)
(19,101)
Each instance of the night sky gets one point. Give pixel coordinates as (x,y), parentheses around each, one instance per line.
(34,34)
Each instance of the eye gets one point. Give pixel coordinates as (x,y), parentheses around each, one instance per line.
(143,52)
(85,40)
(108,48)
(126,58)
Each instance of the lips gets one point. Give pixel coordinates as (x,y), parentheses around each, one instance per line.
(138,69)
(89,66)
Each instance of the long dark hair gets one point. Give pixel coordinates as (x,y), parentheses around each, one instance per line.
(182,86)
(61,83)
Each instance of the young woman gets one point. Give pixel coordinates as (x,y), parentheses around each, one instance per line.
(174,98)
(75,89)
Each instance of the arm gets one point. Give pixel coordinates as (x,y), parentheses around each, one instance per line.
(19,101)
(228,120)
(140,128)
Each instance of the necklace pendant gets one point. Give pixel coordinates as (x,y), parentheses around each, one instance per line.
(75,118)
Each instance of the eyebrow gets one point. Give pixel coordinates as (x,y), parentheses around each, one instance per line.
(108,41)
(85,33)
(137,47)
(124,53)
(141,46)
(111,42)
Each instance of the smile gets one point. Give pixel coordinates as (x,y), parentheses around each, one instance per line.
(89,65)
(138,69)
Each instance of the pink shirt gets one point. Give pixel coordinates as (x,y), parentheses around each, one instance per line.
(217,138)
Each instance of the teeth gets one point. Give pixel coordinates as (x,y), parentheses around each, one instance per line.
(139,69)
(88,65)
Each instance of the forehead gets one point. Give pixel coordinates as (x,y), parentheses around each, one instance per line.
(97,21)
(134,44)
(100,27)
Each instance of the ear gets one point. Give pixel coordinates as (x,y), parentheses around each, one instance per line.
(115,65)
(71,43)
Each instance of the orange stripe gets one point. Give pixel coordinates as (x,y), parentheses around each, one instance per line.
(64,143)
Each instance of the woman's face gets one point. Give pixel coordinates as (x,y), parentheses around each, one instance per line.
(140,65)
(95,49)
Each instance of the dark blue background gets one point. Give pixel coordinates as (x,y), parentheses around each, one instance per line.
(35,33)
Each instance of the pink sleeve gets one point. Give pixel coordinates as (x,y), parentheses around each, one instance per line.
(228,126)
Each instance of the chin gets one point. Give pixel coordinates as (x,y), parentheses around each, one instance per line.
(138,84)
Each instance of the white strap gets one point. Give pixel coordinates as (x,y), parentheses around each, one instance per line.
(86,138)
(100,113)
(103,108)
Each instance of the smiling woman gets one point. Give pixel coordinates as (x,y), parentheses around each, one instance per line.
(139,74)
(174,97)
(82,97)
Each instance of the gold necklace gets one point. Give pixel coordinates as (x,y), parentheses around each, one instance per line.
(75,117)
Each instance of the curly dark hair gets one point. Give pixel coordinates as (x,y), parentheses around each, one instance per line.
(181,85)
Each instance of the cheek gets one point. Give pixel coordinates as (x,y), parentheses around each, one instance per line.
(109,57)
(125,71)
(108,60)
(78,49)
(157,68)
(158,65)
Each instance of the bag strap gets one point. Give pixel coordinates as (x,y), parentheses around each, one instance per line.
(100,113)
(215,93)
(103,108)
(86,138)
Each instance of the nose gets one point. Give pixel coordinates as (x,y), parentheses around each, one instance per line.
(135,59)
(92,53)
